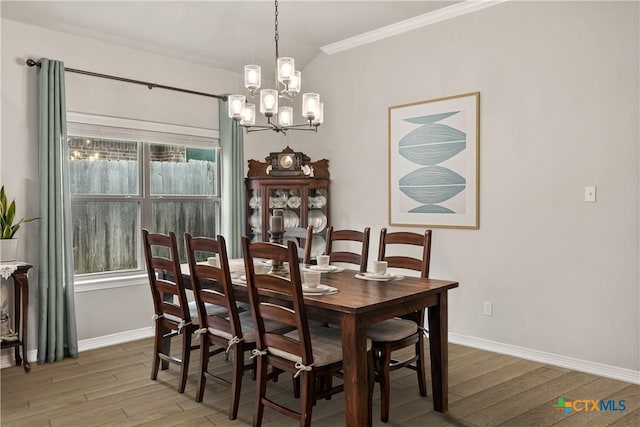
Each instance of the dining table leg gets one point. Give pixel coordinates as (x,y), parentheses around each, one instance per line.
(438,347)
(354,353)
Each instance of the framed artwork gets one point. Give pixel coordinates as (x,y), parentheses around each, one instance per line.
(434,162)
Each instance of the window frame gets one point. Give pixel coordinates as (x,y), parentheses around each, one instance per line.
(193,137)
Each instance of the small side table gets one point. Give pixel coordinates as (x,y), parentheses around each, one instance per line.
(21,309)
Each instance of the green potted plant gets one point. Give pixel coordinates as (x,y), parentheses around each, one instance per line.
(8,227)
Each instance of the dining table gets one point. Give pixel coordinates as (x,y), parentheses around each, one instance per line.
(359,301)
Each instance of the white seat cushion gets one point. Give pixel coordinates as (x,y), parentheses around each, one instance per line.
(391,330)
(249,331)
(212,309)
(326,344)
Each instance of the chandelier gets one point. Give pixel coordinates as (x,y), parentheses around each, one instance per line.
(275,104)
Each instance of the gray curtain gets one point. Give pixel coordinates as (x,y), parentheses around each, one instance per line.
(57,336)
(233,207)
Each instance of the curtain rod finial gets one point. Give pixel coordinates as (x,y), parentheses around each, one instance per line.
(32,63)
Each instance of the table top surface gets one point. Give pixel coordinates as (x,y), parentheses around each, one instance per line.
(354,293)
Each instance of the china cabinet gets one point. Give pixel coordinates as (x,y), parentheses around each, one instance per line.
(299,187)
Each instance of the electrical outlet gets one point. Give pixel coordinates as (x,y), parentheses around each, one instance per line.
(488,308)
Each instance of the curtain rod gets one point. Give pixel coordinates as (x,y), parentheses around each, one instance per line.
(32,63)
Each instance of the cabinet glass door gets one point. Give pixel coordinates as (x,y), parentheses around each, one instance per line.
(317,217)
(255,215)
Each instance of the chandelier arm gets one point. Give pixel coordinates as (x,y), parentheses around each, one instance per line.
(310,129)
(250,129)
(299,125)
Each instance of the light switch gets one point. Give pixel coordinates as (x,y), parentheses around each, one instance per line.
(590,194)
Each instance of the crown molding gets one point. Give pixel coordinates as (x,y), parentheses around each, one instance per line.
(410,24)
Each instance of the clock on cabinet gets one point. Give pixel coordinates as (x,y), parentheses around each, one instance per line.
(287,163)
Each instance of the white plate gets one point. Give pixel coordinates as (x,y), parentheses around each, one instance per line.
(321,201)
(319,290)
(291,219)
(256,221)
(254,202)
(318,219)
(327,269)
(294,202)
(378,279)
(373,275)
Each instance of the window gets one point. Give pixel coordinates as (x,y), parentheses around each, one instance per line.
(127,175)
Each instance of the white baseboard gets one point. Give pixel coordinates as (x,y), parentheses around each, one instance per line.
(594,368)
(119,338)
(7,358)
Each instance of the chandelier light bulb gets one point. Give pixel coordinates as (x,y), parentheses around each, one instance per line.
(248,115)
(236,104)
(310,105)
(268,102)
(317,121)
(286,70)
(285,116)
(252,77)
(295,83)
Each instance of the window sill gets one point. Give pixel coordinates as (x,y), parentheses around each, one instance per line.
(98,284)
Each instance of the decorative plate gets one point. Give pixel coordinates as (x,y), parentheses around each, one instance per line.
(318,219)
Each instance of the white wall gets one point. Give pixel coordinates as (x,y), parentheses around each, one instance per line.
(559,101)
(100,312)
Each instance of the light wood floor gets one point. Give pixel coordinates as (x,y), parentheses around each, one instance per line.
(111,386)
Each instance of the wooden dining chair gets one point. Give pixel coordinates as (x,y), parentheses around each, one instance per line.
(228,330)
(173,314)
(398,333)
(307,352)
(346,237)
(303,237)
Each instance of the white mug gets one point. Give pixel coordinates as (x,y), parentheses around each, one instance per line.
(311,279)
(323,260)
(260,268)
(380,267)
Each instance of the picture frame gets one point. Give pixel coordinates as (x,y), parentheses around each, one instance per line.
(434,162)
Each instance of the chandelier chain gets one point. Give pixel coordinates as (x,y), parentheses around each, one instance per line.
(277,36)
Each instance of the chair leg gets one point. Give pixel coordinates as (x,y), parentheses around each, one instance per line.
(157,348)
(307,401)
(371,376)
(296,387)
(385,386)
(165,346)
(184,366)
(236,381)
(204,363)
(261,389)
(422,382)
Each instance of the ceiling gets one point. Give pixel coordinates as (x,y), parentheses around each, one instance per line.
(223,34)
